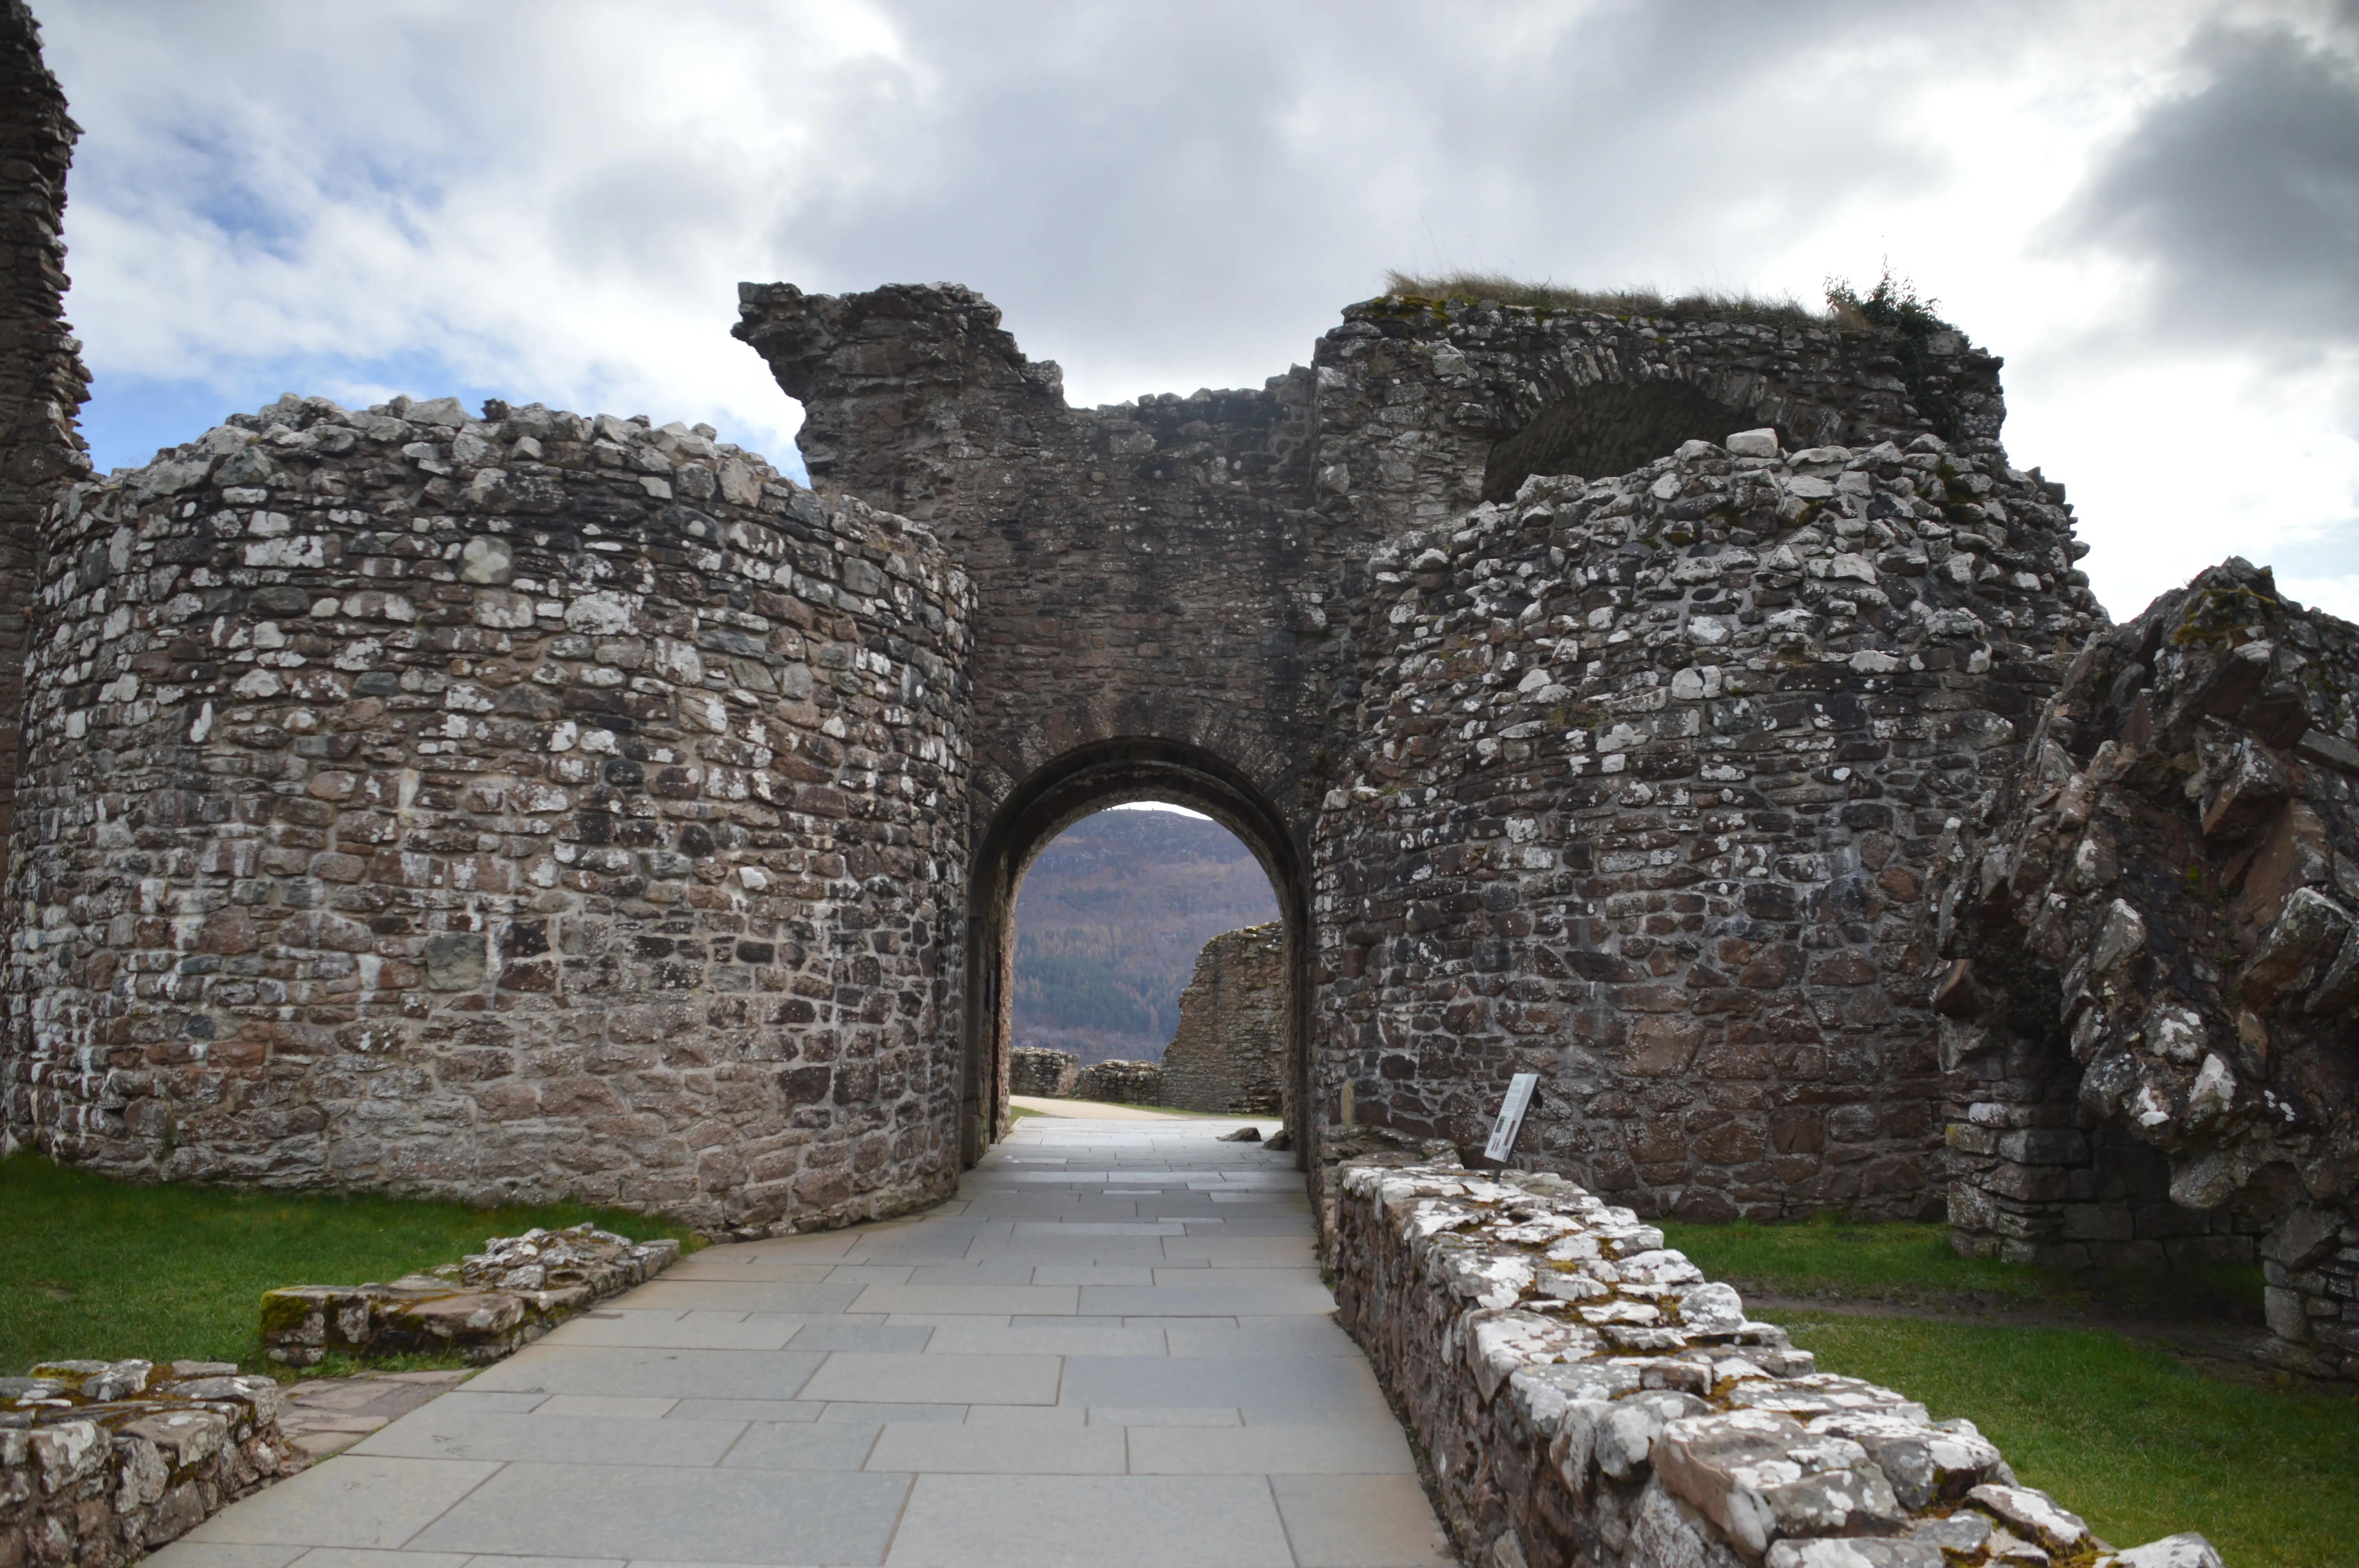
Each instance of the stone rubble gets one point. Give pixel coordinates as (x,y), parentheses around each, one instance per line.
(100,1462)
(486,1306)
(1581,1394)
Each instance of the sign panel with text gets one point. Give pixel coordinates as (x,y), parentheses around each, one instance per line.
(1511,1116)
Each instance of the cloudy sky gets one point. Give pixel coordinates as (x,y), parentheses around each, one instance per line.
(2151,209)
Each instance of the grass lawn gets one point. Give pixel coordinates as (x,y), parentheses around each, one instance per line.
(2133,1440)
(103,1268)
(1831,1255)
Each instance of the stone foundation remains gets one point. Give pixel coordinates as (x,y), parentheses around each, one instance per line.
(101,1461)
(1228,1054)
(1057,1074)
(486,1306)
(1581,1394)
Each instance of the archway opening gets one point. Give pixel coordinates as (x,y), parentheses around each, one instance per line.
(1076,788)
(1113,922)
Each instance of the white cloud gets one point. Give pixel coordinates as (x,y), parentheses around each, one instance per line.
(555,202)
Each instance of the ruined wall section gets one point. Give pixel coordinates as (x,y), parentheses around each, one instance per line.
(1414,395)
(2154,968)
(42,382)
(1639,798)
(1170,566)
(1228,1054)
(1148,569)
(492,809)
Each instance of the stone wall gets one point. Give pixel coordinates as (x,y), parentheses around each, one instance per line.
(1640,795)
(42,383)
(1581,1394)
(1035,1070)
(1228,1052)
(1121,1083)
(101,1461)
(2152,964)
(492,809)
(1178,581)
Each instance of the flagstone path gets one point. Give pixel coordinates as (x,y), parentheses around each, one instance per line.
(1112,1349)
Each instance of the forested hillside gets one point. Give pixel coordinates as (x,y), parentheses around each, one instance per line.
(1109,921)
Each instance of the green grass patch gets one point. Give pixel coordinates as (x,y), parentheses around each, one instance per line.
(1827,1252)
(2136,1442)
(1830,1255)
(105,1269)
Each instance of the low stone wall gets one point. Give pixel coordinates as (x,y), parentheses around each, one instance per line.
(1121,1083)
(102,1461)
(1582,1394)
(483,1307)
(1035,1070)
(1228,1054)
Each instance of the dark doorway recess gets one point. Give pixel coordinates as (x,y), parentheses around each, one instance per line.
(1610,428)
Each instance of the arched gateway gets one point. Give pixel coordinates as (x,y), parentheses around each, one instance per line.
(1072,786)
(532,804)
(1233,598)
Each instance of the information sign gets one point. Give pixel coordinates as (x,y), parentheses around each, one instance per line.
(1511,1116)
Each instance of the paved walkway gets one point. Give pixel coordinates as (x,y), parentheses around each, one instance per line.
(1114,1349)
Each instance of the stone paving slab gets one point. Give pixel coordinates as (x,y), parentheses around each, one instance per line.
(1123,1360)
(1092,1521)
(707,1516)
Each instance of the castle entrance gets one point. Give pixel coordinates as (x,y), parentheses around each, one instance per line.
(1059,793)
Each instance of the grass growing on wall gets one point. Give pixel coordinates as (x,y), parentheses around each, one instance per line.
(1476,286)
(104,1270)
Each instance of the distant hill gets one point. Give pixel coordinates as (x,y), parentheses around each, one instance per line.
(1108,923)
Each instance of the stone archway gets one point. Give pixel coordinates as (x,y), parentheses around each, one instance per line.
(1078,784)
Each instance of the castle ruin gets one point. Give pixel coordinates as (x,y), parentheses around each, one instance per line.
(1698,711)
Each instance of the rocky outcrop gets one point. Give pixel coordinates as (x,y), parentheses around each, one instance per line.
(103,1461)
(2150,964)
(481,1308)
(1581,1394)
(1228,1054)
